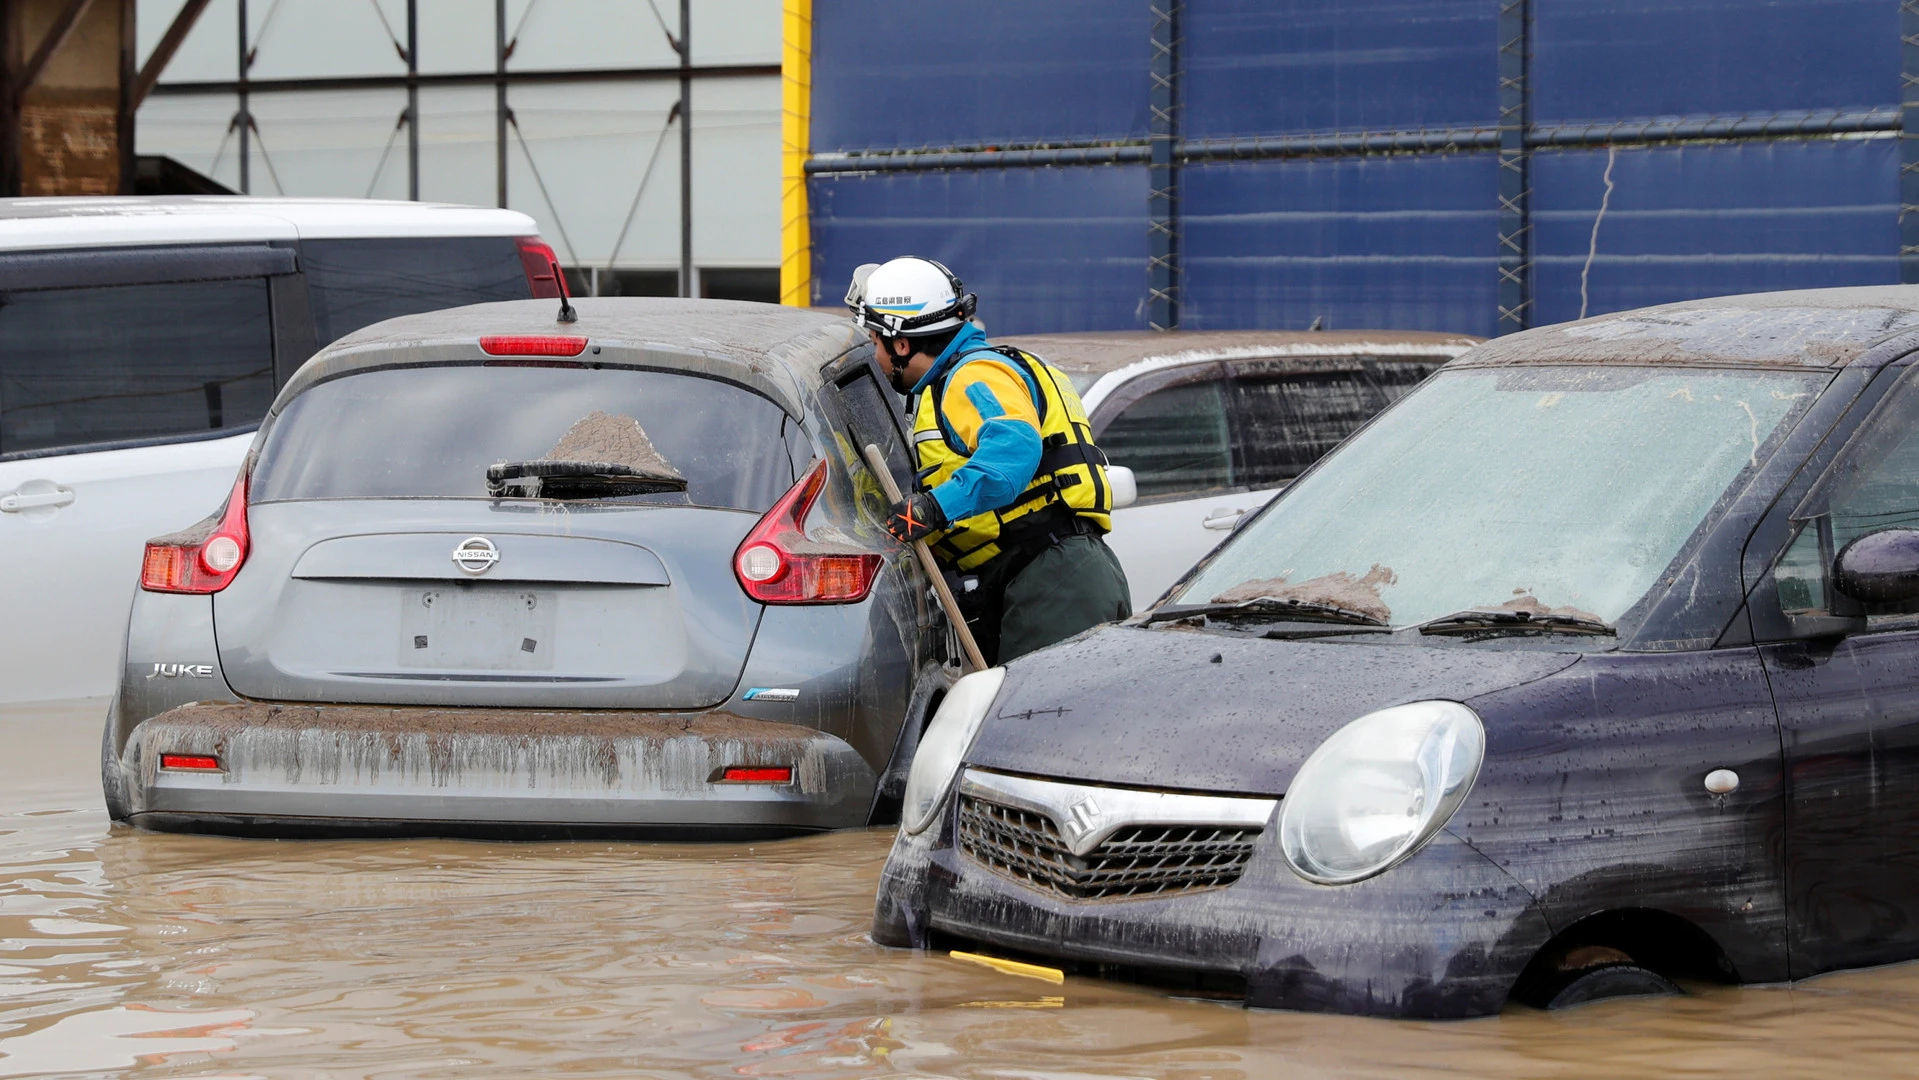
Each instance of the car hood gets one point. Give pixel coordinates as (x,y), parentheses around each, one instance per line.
(1197,711)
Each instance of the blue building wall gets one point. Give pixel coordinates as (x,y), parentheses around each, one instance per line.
(1385,231)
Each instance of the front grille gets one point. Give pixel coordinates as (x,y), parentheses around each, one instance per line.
(1136,861)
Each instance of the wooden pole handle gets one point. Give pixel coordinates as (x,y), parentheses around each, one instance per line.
(974,660)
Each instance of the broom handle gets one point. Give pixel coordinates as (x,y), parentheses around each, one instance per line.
(974,661)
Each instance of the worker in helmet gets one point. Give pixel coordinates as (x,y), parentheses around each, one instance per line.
(1012,494)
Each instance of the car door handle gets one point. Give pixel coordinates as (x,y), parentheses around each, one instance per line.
(1222,519)
(16,502)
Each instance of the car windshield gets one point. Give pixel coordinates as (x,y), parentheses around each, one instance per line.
(486,431)
(1553,491)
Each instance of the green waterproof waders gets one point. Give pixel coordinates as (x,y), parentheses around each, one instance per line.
(1032,598)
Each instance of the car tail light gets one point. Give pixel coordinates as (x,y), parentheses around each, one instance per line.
(777,564)
(542,269)
(197,762)
(200,560)
(531,345)
(752,774)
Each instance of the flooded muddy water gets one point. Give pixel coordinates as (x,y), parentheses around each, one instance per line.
(129,953)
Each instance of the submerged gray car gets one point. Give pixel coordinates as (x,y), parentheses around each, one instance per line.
(486,573)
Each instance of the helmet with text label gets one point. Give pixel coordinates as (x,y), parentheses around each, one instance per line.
(908,297)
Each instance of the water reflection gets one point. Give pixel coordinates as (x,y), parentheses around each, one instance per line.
(132,953)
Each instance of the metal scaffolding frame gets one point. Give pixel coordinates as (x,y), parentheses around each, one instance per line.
(247,131)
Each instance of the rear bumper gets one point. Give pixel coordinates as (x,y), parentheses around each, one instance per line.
(327,769)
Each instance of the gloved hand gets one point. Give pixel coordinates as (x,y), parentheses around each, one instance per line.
(915,517)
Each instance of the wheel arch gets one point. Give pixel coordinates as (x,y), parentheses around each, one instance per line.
(1658,940)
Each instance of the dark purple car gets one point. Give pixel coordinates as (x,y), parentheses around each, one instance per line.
(1590,667)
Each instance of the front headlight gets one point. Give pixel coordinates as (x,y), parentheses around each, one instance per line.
(1379,788)
(944,743)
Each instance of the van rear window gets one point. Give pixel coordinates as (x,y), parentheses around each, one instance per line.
(433,432)
(356,283)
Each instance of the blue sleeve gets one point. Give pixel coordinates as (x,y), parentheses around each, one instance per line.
(1001,467)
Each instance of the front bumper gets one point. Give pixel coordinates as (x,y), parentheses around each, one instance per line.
(1443,934)
(329,769)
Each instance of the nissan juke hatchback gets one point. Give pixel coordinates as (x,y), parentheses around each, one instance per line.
(486,572)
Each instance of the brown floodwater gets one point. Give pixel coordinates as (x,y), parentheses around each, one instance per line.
(129,953)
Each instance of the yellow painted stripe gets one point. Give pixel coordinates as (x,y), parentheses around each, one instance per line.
(796,122)
(1012,967)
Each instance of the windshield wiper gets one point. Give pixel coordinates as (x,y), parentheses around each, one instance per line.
(557,479)
(1264,609)
(1500,620)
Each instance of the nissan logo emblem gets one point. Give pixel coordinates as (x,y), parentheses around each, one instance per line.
(476,555)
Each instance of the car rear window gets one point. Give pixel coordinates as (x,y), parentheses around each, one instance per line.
(432,432)
(356,283)
(128,362)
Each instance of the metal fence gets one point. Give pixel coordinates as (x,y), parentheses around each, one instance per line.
(1464,165)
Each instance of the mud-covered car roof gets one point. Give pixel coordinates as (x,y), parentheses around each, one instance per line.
(1099,352)
(1805,328)
(776,350)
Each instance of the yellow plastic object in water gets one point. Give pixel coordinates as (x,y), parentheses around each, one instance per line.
(1012,967)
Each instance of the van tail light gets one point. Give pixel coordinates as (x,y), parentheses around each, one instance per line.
(205,558)
(778,564)
(542,268)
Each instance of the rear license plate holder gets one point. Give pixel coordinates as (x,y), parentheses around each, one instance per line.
(474,629)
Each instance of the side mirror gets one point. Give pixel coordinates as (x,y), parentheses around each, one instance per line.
(1879,568)
(1125,488)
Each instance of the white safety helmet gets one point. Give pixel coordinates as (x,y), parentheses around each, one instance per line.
(909,297)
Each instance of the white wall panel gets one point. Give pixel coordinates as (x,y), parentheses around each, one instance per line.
(304,39)
(211,52)
(329,143)
(456,145)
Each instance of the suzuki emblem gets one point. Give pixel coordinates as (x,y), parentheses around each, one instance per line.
(1081,818)
(476,555)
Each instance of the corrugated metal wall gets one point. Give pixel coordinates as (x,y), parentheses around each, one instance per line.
(1419,164)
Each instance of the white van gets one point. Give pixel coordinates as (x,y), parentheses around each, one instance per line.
(141,340)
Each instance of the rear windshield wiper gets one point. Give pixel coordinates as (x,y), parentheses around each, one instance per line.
(554,479)
(1500,620)
(1264,609)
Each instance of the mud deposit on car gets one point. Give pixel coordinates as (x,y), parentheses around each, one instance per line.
(134,953)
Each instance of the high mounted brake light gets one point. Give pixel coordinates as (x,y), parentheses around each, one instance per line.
(541,266)
(778,564)
(200,560)
(532,345)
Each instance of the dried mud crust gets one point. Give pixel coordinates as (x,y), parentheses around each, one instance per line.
(1301,350)
(615,440)
(509,722)
(1818,329)
(1339,589)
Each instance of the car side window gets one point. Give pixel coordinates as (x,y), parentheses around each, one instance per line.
(127,362)
(1873,485)
(1289,419)
(1177,441)
(873,415)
